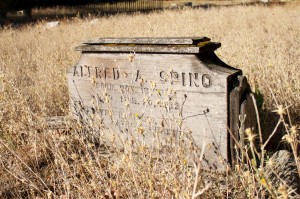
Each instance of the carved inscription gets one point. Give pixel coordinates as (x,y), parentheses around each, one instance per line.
(112,80)
(154,90)
(107,86)
(188,79)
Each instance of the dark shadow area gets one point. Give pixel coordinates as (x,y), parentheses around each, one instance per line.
(27,14)
(268,121)
(259,3)
(21,15)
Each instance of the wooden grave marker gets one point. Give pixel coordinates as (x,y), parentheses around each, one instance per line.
(161,80)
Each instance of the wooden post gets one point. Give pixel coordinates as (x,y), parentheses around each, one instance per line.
(242,114)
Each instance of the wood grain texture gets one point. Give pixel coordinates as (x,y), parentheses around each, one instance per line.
(247,120)
(181,49)
(161,88)
(248,117)
(148,40)
(236,98)
(147,49)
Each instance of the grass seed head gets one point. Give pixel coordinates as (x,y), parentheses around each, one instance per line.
(280,110)
(131,57)
(288,138)
(250,135)
(294,130)
(283,191)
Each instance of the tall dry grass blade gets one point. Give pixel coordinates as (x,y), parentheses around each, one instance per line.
(36,175)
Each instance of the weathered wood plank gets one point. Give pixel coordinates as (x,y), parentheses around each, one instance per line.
(202,47)
(247,120)
(161,49)
(236,96)
(147,40)
(174,86)
(248,117)
(162,88)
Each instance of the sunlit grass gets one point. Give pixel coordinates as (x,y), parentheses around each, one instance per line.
(38,161)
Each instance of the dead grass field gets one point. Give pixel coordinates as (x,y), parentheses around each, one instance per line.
(37,162)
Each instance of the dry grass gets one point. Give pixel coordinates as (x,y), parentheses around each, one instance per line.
(39,162)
